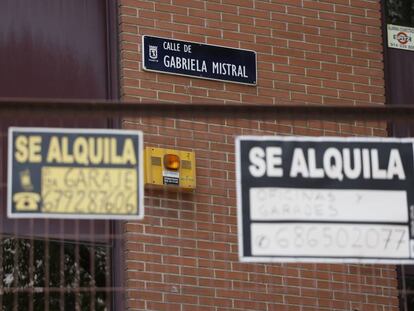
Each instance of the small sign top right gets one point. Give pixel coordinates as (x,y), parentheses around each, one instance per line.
(400,37)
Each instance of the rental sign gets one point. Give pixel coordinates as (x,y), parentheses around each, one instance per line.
(75,173)
(325,199)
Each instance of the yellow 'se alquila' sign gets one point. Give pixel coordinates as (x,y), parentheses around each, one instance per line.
(75,173)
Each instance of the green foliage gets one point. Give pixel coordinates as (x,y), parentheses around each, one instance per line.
(400,12)
(53,272)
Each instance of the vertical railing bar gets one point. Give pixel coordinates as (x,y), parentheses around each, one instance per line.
(1,262)
(2,227)
(92,251)
(13,239)
(2,237)
(404,288)
(62,266)
(108,265)
(47,265)
(77,270)
(31,265)
(62,276)
(15,269)
(31,242)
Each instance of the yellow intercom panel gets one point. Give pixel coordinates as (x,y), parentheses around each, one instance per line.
(170,168)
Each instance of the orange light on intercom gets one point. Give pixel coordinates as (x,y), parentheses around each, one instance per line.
(172,162)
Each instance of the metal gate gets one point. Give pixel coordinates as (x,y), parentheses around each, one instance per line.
(183,255)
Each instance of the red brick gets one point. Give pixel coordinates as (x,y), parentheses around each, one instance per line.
(184,255)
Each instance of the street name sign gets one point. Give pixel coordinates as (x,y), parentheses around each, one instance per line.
(199,60)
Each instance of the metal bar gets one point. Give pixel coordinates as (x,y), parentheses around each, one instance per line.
(31,267)
(15,269)
(77,270)
(47,267)
(62,268)
(248,111)
(108,268)
(92,255)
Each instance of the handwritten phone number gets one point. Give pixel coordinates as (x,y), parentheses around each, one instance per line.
(89,201)
(299,238)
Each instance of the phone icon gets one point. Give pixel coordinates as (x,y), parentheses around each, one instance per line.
(26,201)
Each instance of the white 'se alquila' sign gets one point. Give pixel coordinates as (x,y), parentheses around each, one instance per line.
(325,199)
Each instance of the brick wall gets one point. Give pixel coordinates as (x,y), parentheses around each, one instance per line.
(325,52)
(183,256)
